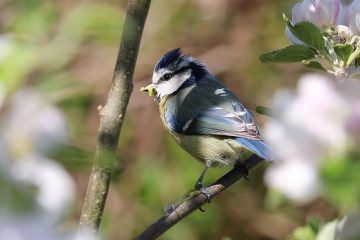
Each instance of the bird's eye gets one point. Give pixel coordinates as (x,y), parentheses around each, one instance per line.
(167,76)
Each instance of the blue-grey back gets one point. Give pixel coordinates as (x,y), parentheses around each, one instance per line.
(208,107)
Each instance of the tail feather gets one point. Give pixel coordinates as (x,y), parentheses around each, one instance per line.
(258,147)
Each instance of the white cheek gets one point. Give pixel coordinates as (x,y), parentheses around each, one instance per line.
(172,85)
(155,77)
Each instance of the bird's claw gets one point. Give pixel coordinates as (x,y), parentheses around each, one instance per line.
(205,192)
(199,187)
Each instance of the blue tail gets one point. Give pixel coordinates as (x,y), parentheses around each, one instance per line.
(258,147)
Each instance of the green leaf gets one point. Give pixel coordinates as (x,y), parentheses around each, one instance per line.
(315,223)
(308,33)
(313,65)
(353,57)
(264,111)
(292,53)
(343,51)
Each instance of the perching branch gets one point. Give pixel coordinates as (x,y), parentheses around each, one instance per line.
(194,203)
(112,116)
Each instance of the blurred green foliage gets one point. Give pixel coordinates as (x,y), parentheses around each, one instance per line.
(341,178)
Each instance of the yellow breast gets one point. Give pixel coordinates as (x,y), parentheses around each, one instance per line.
(162,111)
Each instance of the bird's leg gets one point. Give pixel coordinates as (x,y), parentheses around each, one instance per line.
(198,184)
(242,167)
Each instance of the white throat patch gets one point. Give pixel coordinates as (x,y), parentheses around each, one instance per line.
(172,85)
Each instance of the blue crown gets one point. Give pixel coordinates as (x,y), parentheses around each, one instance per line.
(168,58)
(198,69)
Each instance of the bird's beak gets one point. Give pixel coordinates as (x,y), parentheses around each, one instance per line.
(149,89)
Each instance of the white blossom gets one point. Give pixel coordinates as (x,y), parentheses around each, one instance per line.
(310,125)
(322,13)
(297,179)
(30,128)
(55,188)
(34,122)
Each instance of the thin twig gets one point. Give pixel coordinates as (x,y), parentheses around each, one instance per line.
(112,116)
(194,203)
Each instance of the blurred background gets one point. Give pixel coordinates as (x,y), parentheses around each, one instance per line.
(64,52)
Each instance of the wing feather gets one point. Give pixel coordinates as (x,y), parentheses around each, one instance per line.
(198,110)
(217,121)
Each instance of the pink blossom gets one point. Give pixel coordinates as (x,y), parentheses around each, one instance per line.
(285,178)
(322,13)
(309,127)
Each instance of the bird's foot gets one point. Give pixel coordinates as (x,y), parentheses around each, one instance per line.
(168,209)
(205,192)
(199,187)
(242,167)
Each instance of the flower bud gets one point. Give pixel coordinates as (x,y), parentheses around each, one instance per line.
(322,13)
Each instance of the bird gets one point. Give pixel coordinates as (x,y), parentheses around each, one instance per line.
(204,116)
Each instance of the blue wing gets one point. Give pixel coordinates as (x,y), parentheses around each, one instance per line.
(218,121)
(209,108)
(198,111)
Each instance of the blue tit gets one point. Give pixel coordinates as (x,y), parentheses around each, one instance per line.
(203,116)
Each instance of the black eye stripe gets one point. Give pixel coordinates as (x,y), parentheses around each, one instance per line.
(168,76)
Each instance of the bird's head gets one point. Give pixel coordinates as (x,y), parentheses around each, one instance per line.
(173,72)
